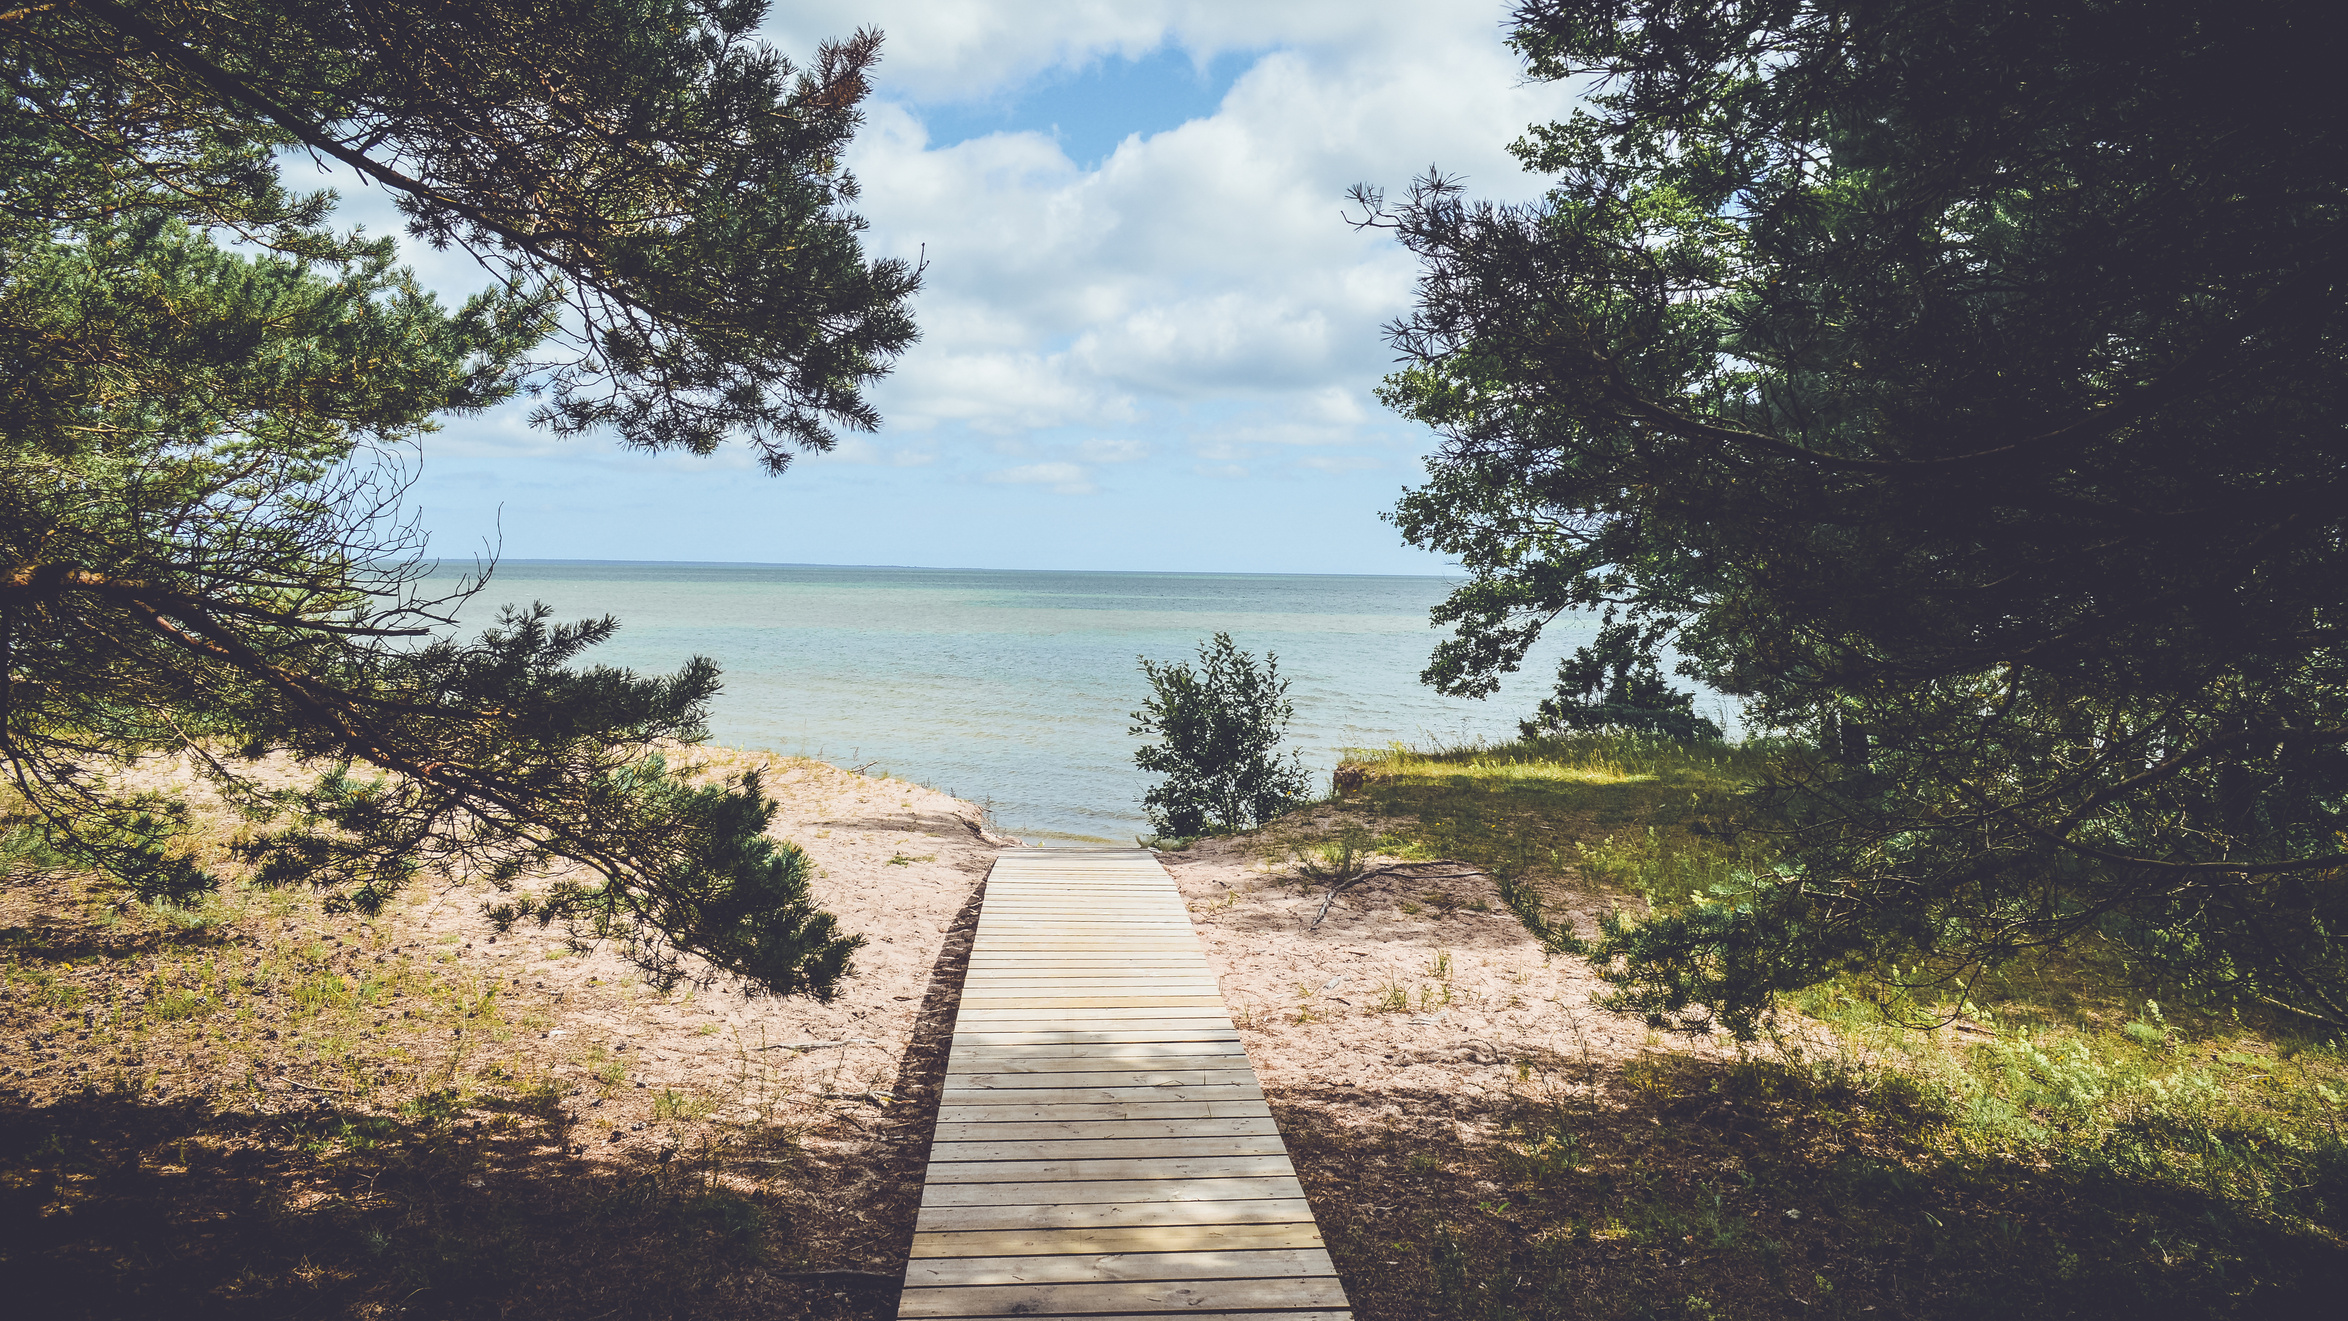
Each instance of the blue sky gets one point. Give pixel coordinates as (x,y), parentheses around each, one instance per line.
(1149,336)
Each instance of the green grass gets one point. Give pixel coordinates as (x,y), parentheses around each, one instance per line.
(2067,1142)
(239,1117)
(1652,815)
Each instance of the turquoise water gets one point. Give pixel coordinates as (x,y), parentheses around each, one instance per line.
(1014,688)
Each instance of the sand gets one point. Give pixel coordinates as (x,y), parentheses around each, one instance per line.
(1418,1008)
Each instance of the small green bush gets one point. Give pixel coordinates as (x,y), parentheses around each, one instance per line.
(1221,728)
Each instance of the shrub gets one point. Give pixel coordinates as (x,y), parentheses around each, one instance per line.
(1221,728)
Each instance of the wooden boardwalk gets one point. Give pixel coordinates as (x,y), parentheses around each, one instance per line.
(1102,1149)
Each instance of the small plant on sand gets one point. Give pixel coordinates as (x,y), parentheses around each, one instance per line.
(1336,861)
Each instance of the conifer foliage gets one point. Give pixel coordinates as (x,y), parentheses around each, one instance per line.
(208,392)
(1616,682)
(1972,379)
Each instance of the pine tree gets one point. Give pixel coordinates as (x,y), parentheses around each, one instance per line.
(1968,378)
(206,391)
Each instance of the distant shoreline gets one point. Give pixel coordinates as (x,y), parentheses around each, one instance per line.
(519,561)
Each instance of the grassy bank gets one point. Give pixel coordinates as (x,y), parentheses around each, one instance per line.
(2070,1143)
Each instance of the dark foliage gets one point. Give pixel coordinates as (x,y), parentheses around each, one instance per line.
(1969,376)
(1617,683)
(202,549)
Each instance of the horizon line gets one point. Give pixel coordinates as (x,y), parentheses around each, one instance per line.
(941,568)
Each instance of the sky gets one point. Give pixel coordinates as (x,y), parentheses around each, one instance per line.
(1149,337)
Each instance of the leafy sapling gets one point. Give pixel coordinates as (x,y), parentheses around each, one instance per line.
(1220,728)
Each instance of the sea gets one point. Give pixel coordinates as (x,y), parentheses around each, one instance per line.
(1015,689)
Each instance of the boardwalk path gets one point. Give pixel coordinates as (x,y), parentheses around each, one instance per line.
(1102,1148)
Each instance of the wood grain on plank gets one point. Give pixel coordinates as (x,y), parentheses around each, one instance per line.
(1120,1146)
(1058,1110)
(1106,1076)
(1101,1037)
(1087,1268)
(1168,1016)
(983,1096)
(1123,1238)
(1110,1215)
(1117,1044)
(1000,1060)
(1082,1130)
(1184,1296)
(1203,1168)
(1052,1192)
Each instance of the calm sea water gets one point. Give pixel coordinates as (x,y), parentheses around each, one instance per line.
(1015,688)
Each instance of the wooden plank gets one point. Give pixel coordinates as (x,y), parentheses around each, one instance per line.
(986,1096)
(1191,970)
(984,965)
(1089,1267)
(983,996)
(984,960)
(1172,925)
(1150,908)
(1062,1059)
(1048,945)
(1025,1022)
(1191,973)
(1175,979)
(1053,1192)
(1081,988)
(1156,916)
(1051,1059)
(1093,1018)
(1216,1316)
(1118,1043)
(1049,1073)
(1188,1296)
(1119,1147)
(1207,1169)
(1059,1111)
(1023,1000)
(1075,889)
(1114,1215)
(1187,978)
(1141,1238)
(1105,1037)
(1101,1077)
(1074,1130)
(1031,1022)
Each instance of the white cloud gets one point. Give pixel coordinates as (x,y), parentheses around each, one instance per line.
(1205,265)
(1190,305)
(941,50)
(1064,478)
(1114,451)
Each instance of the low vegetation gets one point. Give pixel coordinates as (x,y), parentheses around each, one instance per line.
(245,1107)
(2063,1138)
(250,1107)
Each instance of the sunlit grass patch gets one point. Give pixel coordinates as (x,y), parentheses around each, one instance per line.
(1549,810)
(1501,762)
